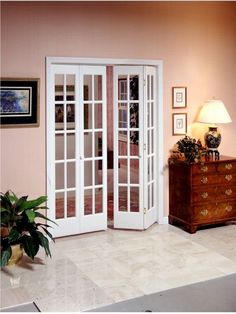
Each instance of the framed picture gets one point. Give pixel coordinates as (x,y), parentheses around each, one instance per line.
(179,97)
(179,123)
(19,102)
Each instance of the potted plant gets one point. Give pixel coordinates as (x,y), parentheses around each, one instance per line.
(19,229)
(189,149)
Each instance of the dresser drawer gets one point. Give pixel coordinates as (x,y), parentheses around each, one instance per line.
(205,179)
(213,212)
(203,168)
(213,193)
(209,179)
(227,167)
(225,192)
(204,194)
(227,178)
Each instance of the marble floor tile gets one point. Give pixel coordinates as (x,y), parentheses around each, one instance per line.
(97,269)
(122,290)
(14,296)
(150,284)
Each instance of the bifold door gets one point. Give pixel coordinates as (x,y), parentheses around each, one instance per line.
(77,169)
(134,147)
(77,148)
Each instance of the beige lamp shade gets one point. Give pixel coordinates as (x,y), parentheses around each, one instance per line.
(214,112)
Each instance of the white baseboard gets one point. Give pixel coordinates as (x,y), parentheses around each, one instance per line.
(163,221)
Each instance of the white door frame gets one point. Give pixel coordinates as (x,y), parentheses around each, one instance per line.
(161,219)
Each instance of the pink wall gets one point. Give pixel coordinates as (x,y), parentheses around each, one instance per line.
(195,40)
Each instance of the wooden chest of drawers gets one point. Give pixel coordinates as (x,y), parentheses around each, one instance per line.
(202,193)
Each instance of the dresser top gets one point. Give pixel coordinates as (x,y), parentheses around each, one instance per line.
(222,159)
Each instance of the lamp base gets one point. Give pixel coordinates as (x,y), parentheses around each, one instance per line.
(213,138)
(213,154)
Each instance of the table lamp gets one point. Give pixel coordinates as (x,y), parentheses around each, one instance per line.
(213,112)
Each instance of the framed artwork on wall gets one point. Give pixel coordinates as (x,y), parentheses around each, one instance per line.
(19,102)
(179,97)
(179,123)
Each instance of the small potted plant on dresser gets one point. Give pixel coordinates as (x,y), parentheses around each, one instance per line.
(20,230)
(188,149)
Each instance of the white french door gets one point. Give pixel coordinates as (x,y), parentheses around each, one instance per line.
(77,149)
(134,147)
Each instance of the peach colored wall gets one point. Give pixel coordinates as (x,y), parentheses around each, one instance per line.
(195,40)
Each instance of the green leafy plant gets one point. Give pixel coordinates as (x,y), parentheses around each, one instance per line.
(19,225)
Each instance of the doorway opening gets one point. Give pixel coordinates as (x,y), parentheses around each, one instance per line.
(104,145)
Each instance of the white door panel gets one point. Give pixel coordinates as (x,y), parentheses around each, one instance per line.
(128,147)
(150,138)
(134,147)
(93,149)
(77,100)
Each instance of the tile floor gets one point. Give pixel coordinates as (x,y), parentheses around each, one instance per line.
(101,268)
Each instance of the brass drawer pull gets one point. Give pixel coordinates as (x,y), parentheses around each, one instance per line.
(229,208)
(228,192)
(228,177)
(205,195)
(204,180)
(228,166)
(204,168)
(204,212)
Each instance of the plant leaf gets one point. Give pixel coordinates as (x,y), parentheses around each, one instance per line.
(48,233)
(30,214)
(38,224)
(44,217)
(30,245)
(40,207)
(20,203)
(44,243)
(13,235)
(5,256)
(5,201)
(34,203)
(2,210)
(12,196)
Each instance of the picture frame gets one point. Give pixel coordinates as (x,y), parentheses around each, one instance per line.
(19,102)
(179,123)
(179,97)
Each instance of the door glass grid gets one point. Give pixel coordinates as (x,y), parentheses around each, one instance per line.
(150,142)
(128,143)
(93,144)
(65,162)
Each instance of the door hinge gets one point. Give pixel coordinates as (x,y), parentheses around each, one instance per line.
(144,211)
(144,82)
(144,146)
